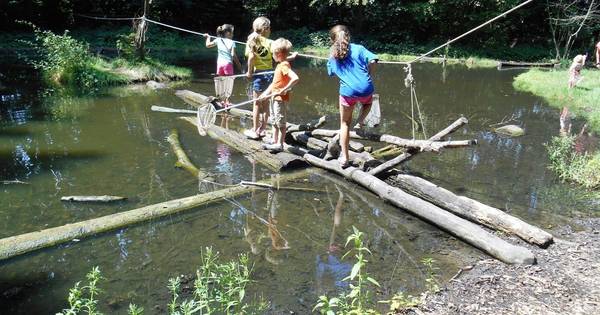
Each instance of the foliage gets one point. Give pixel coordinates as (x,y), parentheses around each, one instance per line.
(583,169)
(568,19)
(82,299)
(219,288)
(583,100)
(357,301)
(431,280)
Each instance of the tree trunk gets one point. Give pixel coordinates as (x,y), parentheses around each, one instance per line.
(473,210)
(407,155)
(182,159)
(275,162)
(459,227)
(29,242)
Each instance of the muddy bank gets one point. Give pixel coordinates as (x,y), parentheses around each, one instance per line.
(565,280)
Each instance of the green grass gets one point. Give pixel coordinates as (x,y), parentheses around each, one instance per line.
(471,62)
(583,169)
(583,101)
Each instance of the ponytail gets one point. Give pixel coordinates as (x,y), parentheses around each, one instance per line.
(221,30)
(340,41)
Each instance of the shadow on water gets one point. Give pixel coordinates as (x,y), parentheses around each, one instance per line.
(111,143)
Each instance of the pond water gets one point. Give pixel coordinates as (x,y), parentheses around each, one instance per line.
(111,143)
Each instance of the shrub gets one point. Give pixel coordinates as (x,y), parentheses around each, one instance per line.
(583,169)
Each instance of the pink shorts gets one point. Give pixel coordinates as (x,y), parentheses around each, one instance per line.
(225,69)
(350,101)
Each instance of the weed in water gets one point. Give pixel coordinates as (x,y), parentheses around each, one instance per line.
(570,165)
(82,299)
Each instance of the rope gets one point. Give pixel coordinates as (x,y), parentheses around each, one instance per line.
(108,18)
(469,32)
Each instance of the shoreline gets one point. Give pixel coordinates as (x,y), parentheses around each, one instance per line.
(564,281)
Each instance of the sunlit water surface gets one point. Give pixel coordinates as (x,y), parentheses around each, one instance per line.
(111,143)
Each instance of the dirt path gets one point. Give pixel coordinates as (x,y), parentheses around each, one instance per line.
(566,280)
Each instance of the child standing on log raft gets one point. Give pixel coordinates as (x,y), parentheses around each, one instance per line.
(260,60)
(283,81)
(226,51)
(353,64)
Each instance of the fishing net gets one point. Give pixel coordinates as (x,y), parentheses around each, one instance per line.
(374,116)
(206,115)
(223,87)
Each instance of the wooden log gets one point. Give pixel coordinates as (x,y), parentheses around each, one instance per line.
(319,145)
(29,242)
(182,159)
(163,109)
(473,210)
(353,145)
(459,227)
(103,198)
(275,162)
(407,155)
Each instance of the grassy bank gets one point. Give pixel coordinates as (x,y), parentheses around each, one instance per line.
(174,45)
(583,101)
(472,62)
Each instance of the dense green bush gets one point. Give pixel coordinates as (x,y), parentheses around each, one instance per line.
(570,165)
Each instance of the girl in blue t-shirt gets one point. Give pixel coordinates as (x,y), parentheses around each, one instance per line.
(353,64)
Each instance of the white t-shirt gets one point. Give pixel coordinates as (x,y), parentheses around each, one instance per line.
(224,46)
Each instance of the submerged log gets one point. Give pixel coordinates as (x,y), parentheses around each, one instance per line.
(29,242)
(459,227)
(103,198)
(407,155)
(182,159)
(275,162)
(473,210)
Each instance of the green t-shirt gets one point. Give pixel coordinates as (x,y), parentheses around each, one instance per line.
(263,57)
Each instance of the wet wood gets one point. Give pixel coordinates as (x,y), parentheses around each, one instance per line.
(29,242)
(407,155)
(163,109)
(14,182)
(103,198)
(251,148)
(473,210)
(510,64)
(182,159)
(459,227)
(320,145)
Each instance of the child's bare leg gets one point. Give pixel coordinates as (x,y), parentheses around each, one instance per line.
(282,131)
(275,134)
(265,110)
(345,120)
(364,111)
(255,113)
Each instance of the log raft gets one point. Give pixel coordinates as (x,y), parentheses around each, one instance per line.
(253,149)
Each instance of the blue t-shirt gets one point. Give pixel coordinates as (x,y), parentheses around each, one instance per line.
(224,46)
(353,71)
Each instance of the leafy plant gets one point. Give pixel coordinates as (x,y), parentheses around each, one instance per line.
(431,280)
(582,168)
(358,300)
(82,299)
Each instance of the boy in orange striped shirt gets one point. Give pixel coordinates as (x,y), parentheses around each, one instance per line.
(283,81)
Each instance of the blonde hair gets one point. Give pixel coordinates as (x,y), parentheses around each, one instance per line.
(259,26)
(580,59)
(340,41)
(281,45)
(223,29)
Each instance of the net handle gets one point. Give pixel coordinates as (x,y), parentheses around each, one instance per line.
(244,103)
(242,75)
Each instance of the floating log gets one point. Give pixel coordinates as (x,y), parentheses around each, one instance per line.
(182,159)
(29,242)
(407,155)
(473,210)
(353,145)
(320,145)
(13,182)
(162,109)
(103,198)
(275,162)
(459,227)
(511,64)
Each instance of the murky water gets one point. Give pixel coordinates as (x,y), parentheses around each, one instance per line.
(112,143)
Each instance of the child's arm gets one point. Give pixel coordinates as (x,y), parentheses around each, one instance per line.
(210,43)
(372,64)
(265,93)
(235,58)
(250,65)
(293,81)
(292,56)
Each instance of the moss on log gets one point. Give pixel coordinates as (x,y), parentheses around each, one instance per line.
(29,242)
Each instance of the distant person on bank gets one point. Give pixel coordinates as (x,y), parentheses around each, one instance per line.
(575,70)
(597,55)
